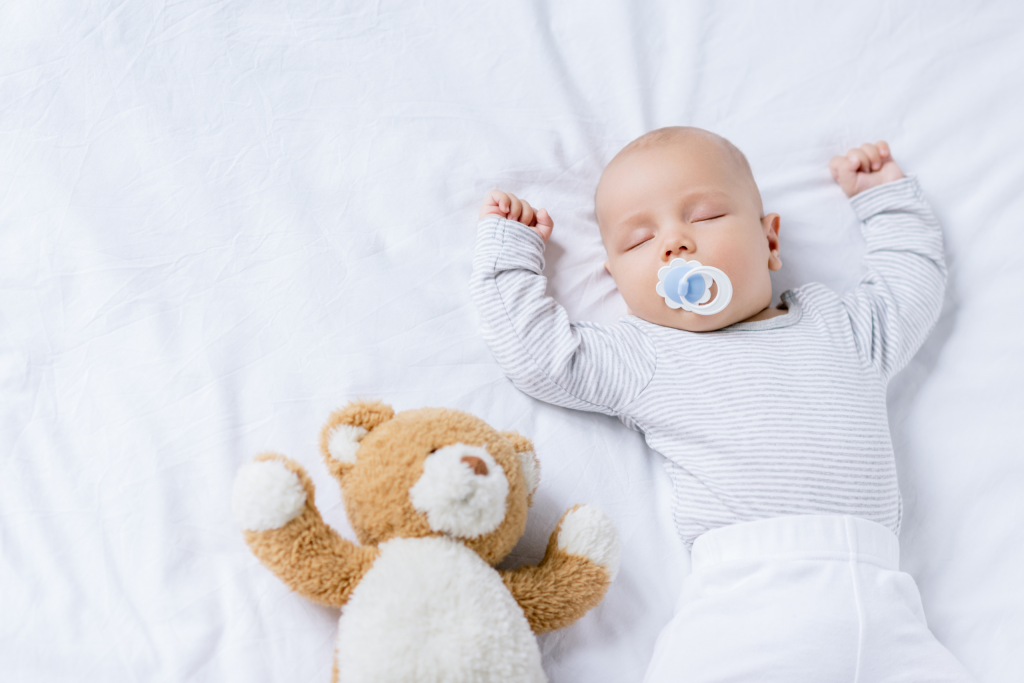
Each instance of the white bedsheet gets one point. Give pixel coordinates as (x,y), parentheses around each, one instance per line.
(221,220)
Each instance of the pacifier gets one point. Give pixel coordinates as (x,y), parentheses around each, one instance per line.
(687,285)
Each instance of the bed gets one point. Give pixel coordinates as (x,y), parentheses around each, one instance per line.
(220,221)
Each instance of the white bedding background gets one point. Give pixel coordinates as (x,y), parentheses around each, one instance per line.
(221,220)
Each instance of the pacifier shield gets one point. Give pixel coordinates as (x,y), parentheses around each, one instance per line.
(679,287)
(687,285)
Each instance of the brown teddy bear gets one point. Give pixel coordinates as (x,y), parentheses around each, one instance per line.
(437,498)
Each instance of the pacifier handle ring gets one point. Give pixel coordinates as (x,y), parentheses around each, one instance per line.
(722,298)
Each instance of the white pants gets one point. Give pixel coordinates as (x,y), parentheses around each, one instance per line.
(815,598)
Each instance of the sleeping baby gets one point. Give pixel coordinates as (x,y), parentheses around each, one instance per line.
(772,421)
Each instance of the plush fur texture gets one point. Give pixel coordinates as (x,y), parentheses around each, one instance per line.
(528,460)
(559,590)
(435,596)
(343,442)
(437,498)
(309,556)
(531,471)
(267,495)
(456,499)
(588,532)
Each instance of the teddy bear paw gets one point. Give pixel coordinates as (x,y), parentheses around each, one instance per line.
(588,531)
(267,495)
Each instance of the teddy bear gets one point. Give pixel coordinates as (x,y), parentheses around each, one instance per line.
(437,498)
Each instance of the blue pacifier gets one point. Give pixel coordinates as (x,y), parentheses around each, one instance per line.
(687,285)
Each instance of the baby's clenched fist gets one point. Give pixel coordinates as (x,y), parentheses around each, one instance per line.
(507,205)
(864,167)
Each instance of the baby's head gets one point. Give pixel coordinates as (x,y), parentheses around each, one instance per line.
(686,193)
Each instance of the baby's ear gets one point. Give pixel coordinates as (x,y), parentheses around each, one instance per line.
(528,459)
(345,428)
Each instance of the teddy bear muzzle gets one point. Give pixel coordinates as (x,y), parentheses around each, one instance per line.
(462,491)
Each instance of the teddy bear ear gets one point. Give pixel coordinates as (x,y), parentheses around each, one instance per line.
(346,427)
(528,460)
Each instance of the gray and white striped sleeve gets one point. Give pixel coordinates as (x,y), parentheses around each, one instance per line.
(897,302)
(585,366)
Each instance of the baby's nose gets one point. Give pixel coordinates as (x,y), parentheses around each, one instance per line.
(676,246)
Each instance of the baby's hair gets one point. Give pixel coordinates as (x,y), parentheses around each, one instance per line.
(682,133)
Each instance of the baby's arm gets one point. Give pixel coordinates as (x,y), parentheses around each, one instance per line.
(898,300)
(585,366)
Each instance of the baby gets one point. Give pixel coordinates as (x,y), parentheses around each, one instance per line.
(772,420)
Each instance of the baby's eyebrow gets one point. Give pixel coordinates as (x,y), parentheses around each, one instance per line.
(633,217)
(705,193)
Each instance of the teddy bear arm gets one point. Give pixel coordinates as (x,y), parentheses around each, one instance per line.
(312,559)
(581,560)
(274,502)
(558,591)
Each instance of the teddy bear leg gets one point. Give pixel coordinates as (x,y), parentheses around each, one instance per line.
(581,560)
(273,502)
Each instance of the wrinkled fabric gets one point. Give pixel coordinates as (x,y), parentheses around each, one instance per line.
(219,221)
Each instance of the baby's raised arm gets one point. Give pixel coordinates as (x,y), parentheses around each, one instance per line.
(599,368)
(899,298)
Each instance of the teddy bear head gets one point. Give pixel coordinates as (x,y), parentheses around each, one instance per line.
(430,472)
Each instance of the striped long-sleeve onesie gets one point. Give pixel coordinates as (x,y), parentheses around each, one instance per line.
(760,419)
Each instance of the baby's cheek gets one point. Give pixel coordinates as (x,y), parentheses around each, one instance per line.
(629,277)
(754,285)
(643,295)
(631,294)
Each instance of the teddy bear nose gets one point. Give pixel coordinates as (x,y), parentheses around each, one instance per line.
(476,464)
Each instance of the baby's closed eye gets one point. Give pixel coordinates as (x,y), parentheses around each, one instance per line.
(639,242)
(704,216)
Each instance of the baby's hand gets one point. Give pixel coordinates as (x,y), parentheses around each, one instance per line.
(498,203)
(864,167)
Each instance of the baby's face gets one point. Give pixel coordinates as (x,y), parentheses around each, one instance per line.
(686,199)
